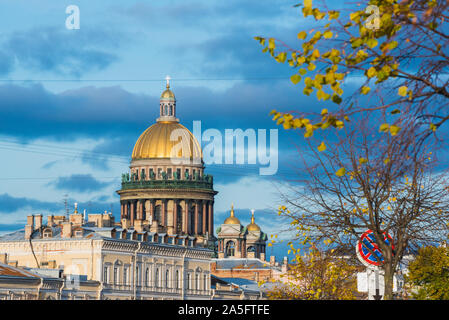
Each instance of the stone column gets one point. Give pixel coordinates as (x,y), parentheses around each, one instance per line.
(175,216)
(185,216)
(204,218)
(126,209)
(196,218)
(211,218)
(151,211)
(133,210)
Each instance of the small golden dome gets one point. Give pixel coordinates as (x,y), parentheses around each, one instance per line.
(232,219)
(252,226)
(155,142)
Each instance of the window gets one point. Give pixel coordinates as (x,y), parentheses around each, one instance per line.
(105,275)
(167,276)
(197,282)
(47,233)
(177,279)
(115,275)
(125,276)
(147,277)
(178,171)
(188,280)
(151,173)
(169,173)
(138,275)
(193,174)
(230,248)
(159,173)
(156,280)
(205,282)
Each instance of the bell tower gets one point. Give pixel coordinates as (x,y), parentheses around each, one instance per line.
(167,105)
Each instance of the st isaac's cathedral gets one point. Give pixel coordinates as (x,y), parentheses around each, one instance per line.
(163,245)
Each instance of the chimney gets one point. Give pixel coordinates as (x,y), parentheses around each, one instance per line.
(50,221)
(272,260)
(29,227)
(66,230)
(38,221)
(284,265)
(30,220)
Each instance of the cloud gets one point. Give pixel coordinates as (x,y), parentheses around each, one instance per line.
(79,183)
(59,50)
(9,204)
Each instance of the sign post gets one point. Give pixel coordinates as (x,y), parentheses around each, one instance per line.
(368,252)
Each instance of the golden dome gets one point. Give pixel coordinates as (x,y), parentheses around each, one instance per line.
(252,226)
(155,142)
(167,94)
(232,219)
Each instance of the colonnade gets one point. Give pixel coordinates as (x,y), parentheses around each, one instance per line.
(177,216)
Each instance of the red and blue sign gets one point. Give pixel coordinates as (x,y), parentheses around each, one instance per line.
(368,250)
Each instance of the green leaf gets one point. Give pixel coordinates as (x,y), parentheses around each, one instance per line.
(340,172)
(336,99)
(295,78)
(402,91)
(371,43)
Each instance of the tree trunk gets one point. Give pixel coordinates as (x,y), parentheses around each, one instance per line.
(388,282)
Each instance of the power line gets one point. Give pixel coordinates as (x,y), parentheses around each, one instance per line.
(147,80)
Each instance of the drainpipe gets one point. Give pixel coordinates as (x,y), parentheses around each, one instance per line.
(183,269)
(134,270)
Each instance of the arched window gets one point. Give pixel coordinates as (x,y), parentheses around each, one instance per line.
(147,277)
(167,275)
(188,281)
(230,248)
(205,282)
(138,275)
(177,279)
(125,276)
(251,249)
(197,282)
(115,275)
(156,280)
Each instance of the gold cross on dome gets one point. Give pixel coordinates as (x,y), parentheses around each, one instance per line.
(167,78)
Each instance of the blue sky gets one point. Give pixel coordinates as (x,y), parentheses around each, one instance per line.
(73,102)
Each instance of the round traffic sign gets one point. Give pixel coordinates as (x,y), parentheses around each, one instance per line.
(368,250)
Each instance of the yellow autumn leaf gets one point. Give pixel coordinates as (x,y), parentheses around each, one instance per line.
(402,91)
(341,172)
(322,147)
